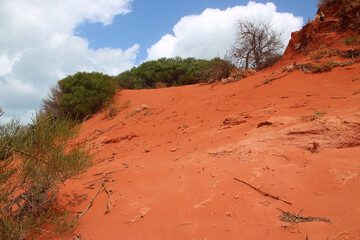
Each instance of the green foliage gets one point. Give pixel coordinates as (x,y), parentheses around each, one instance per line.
(85,93)
(169,72)
(35,160)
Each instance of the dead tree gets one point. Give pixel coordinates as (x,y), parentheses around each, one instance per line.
(256,46)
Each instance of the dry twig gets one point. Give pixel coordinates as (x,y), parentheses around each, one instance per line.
(262,192)
(109,199)
(181,156)
(345,232)
(262,108)
(183,224)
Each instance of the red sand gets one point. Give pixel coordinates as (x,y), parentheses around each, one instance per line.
(171,166)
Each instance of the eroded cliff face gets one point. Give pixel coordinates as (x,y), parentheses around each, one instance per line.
(334,20)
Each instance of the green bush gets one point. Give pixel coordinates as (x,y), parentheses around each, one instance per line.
(35,160)
(85,93)
(168,72)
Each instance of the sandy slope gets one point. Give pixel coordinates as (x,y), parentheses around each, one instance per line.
(171,165)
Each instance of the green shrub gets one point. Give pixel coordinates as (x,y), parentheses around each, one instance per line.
(85,93)
(36,159)
(168,72)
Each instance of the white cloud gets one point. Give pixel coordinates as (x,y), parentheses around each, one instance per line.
(38,47)
(211,33)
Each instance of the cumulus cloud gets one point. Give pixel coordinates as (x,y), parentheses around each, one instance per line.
(211,33)
(38,47)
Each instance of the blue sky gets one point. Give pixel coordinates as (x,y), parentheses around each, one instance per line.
(44,41)
(148,21)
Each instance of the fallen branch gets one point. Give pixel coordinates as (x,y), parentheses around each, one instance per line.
(262,192)
(276,78)
(262,108)
(92,200)
(297,218)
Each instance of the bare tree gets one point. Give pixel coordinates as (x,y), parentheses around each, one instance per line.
(256,46)
(51,104)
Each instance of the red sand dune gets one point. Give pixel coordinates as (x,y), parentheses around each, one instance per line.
(171,164)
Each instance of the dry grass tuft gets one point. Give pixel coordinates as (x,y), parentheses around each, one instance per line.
(114,109)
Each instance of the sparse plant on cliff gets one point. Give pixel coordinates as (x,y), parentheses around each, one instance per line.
(323,52)
(35,159)
(353,41)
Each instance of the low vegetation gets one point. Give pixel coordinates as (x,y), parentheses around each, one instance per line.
(323,52)
(325,66)
(34,160)
(317,114)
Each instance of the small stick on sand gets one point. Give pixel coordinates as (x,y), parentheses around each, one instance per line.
(185,154)
(345,232)
(183,224)
(259,108)
(109,199)
(262,192)
(276,78)
(181,156)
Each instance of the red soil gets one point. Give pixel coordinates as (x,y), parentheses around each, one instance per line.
(171,165)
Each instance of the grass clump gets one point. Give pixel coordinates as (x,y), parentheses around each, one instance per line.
(323,53)
(34,160)
(114,109)
(317,114)
(325,66)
